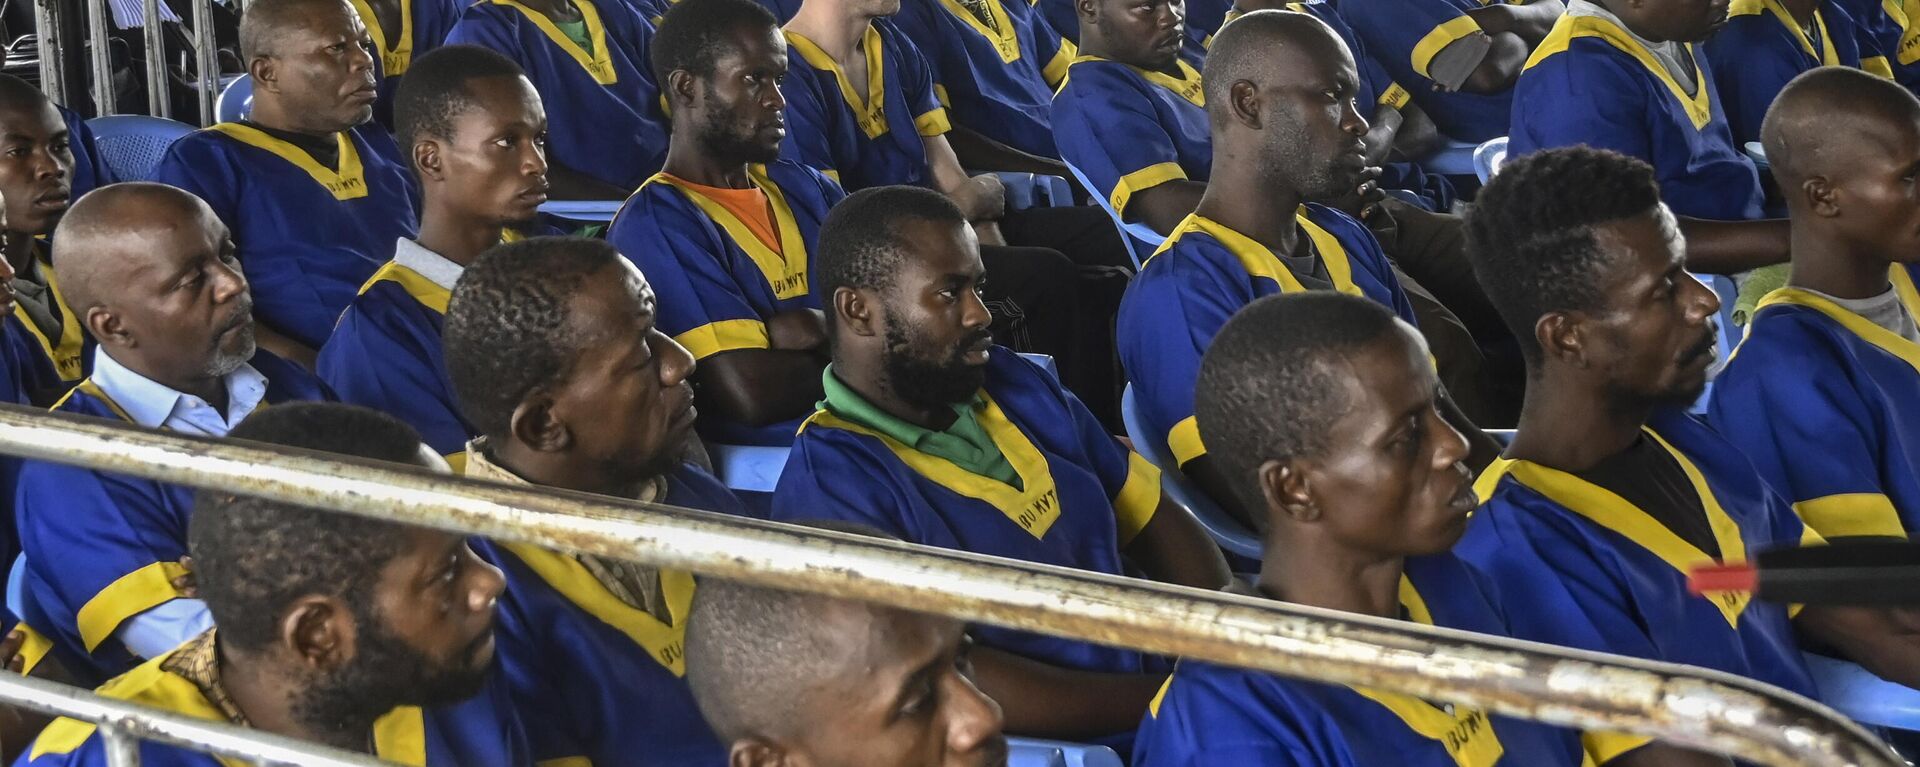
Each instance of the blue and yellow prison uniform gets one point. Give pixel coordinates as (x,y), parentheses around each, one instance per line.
(1204,20)
(1218,715)
(308,236)
(863,139)
(478,732)
(90,170)
(1827,405)
(997,76)
(1128,129)
(1761,48)
(1580,566)
(716,282)
(1204,273)
(48,365)
(605,118)
(103,547)
(1077,499)
(1889,41)
(424,25)
(597,680)
(1405,36)
(1590,82)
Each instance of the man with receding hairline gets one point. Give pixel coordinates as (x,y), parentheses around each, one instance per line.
(314,192)
(150,271)
(1824,394)
(42,155)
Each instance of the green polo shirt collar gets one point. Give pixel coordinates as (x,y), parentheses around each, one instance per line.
(965,443)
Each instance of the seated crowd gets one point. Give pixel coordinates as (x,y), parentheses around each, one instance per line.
(815,253)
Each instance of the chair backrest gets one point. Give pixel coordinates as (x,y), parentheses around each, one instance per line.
(1141,239)
(132,145)
(1224,529)
(1028,752)
(1487,159)
(236,100)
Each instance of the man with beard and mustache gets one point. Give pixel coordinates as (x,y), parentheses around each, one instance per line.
(314,191)
(931,433)
(554,355)
(727,227)
(1611,492)
(475,133)
(150,271)
(355,633)
(1285,131)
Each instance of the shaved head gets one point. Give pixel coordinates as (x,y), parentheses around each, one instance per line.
(107,232)
(1829,119)
(1281,89)
(1263,47)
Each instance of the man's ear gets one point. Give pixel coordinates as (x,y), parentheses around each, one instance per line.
(1288,491)
(755,752)
(1562,337)
(535,424)
(1822,198)
(319,631)
(107,328)
(1244,105)
(681,86)
(265,73)
(857,311)
(1087,10)
(427,161)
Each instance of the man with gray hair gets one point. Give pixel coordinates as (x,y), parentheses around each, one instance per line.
(150,272)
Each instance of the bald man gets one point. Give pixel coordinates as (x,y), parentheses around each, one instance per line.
(1279,93)
(150,270)
(314,193)
(1825,392)
(788,678)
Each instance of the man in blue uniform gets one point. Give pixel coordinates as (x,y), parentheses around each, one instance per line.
(401,32)
(313,191)
(1766,43)
(556,360)
(474,128)
(1279,141)
(37,180)
(789,678)
(728,227)
(1324,412)
(931,433)
(1823,391)
(349,632)
(150,271)
(1611,492)
(995,65)
(1458,59)
(589,61)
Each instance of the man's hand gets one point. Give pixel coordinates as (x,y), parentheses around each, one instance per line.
(10,651)
(988,232)
(185,585)
(798,330)
(982,198)
(1364,197)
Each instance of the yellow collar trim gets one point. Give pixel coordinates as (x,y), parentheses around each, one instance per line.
(401,736)
(91,389)
(1034,506)
(1888,341)
(396,54)
(1186,86)
(419,287)
(348,183)
(1604,508)
(1827,55)
(599,63)
(1698,105)
(1005,39)
(786,271)
(666,642)
(870,110)
(1261,262)
(1465,733)
(65,352)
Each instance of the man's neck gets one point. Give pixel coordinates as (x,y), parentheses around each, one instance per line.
(836,32)
(19,252)
(268,113)
(687,161)
(1331,578)
(266,699)
(456,237)
(1266,217)
(867,381)
(559,470)
(1568,425)
(210,389)
(1825,265)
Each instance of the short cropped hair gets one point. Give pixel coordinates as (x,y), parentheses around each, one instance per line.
(861,242)
(695,34)
(1530,234)
(1271,384)
(433,93)
(16,93)
(509,326)
(253,557)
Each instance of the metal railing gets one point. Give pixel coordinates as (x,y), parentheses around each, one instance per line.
(97,18)
(1686,706)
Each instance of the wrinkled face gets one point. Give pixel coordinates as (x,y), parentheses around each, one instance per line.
(36,168)
(1316,136)
(181,299)
(1144,33)
(739,110)
(1653,338)
(496,161)
(1686,21)
(1393,480)
(626,399)
(323,69)
(1879,194)
(935,323)
(905,698)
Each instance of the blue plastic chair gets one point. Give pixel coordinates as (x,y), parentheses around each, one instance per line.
(1225,530)
(1863,697)
(1028,752)
(236,100)
(586,211)
(1488,157)
(1141,240)
(1729,335)
(1758,154)
(1456,158)
(132,145)
(17,587)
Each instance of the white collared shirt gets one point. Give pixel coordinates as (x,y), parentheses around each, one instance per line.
(433,266)
(151,404)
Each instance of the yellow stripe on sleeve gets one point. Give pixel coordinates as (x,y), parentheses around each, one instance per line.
(1395,97)
(1055,72)
(933,123)
(1438,40)
(1138,499)
(1142,180)
(134,593)
(34,649)
(1849,515)
(724,336)
(1184,441)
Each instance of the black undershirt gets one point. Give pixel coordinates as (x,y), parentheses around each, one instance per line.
(1647,476)
(325,151)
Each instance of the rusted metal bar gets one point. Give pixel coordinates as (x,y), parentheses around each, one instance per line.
(159,95)
(206,59)
(52,49)
(99,20)
(1687,706)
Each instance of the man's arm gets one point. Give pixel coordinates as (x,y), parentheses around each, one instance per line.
(1500,67)
(981,199)
(1883,641)
(1053,702)
(764,386)
(1731,247)
(978,152)
(1174,548)
(1163,206)
(1531,22)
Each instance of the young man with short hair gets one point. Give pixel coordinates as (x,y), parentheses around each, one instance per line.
(38,179)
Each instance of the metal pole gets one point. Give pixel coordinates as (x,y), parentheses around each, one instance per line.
(205,60)
(53,49)
(123,749)
(159,96)
(1691,707)
(99,18)
(123,724)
